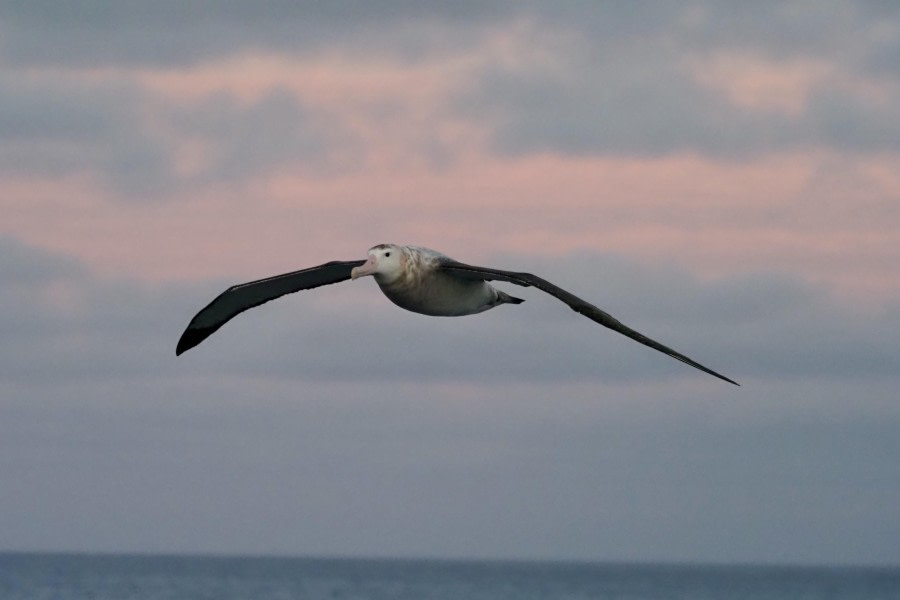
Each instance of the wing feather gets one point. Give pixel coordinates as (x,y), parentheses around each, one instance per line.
(575,303)
(241,297)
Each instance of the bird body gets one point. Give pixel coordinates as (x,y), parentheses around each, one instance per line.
(411,277)
(416,279)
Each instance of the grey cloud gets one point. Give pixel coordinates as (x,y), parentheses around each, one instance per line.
(647,118)
(103,33)
(24,265)
(247,140)
(29,276)
(230,464)
(617,106)
(836,30)
(129,139)
(55,125)
(54,112)
(841,31)
(333,422)
(625,87)
(839,120)
(884,59)
(59,323)
(750,327)
(620,84)
(109,14)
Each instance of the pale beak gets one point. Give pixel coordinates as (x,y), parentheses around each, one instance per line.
(368,268)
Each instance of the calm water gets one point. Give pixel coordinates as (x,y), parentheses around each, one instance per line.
(77,577)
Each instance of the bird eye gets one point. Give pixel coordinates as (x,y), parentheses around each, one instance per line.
(387,254)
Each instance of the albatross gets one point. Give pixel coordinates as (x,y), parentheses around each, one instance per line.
(415,278)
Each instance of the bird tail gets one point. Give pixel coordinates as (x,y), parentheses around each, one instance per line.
(504,298)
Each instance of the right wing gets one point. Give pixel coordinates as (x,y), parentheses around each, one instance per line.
(239,298)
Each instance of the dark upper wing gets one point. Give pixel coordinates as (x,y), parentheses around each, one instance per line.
(239,298)
(577,304)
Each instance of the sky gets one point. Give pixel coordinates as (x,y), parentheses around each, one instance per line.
(722,176)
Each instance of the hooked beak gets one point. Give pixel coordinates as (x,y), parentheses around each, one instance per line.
(367,268)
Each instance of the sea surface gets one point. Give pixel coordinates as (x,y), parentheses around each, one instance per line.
(102,577)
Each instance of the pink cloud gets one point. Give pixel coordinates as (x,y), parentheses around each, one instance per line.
(784,85)
(821,215)
(752,81)
(715,218)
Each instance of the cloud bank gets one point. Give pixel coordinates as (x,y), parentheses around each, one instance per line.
(721,176)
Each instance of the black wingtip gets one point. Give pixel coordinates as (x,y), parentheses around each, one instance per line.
(190,338)
(704,369)
(714,374)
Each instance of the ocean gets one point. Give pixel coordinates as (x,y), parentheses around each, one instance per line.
(137,577)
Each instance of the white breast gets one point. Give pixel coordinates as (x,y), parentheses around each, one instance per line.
(441,295)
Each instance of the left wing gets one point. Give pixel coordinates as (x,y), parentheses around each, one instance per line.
(575,303)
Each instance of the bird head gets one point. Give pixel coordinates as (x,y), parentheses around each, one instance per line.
(385,262)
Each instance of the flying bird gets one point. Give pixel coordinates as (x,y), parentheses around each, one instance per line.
(417,279)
